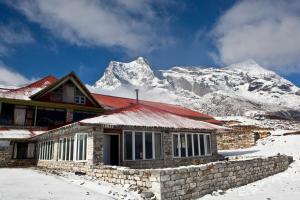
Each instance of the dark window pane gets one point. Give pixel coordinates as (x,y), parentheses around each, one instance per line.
(81,148)
(175,145)
(128,146)
(158,151)
(68,149)
(208,145)
(72,149)
(138,145)
(202,145)
(64,150)
(196,147)
(148,145)
(183,145)
(189,145)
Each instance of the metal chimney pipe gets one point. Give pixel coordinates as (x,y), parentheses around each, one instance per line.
(137,95)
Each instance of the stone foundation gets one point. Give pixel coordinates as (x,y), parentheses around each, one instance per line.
(182,182)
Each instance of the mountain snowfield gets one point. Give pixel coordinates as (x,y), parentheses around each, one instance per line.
(241,89)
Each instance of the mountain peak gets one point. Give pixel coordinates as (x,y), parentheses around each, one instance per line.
(249,66)
(137,73)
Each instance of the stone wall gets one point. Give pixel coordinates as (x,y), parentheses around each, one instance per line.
(182,182)
(196,181)
(241,137)
(6,159)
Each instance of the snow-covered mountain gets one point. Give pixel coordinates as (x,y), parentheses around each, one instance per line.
(241,89)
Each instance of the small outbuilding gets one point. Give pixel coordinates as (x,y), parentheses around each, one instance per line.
(138,136)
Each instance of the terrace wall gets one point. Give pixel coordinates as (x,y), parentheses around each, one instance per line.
(184,182)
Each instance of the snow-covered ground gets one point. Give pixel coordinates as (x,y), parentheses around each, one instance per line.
(28,183)
(285,185)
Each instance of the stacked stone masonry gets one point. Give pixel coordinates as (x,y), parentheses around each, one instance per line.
(241,137)
(187,182)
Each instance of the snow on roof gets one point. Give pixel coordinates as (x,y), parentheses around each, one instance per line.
(25,92)
(120,102)
(18,133)
(139,115)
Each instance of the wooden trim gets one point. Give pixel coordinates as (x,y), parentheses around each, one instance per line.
(71,76)
(50,104)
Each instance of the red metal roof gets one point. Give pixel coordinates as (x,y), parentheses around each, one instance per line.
(140,115)
(26,91)
(120,102)
(48,80)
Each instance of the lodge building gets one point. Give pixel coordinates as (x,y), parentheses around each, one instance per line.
(60,123)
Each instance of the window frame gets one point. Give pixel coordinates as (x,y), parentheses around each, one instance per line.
(193,147)
(46,150)
(143,145)
(61,149)
(76,151)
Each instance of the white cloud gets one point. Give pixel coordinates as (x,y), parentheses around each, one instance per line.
(266,31)
(130,24)
(8,77)
(12,34)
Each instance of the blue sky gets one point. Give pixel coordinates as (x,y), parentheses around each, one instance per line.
(38,38)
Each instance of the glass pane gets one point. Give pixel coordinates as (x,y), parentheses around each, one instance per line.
(80,148)
(196,147)
(208,145)
(148,145)
(138,145)
(72,149)
(128,146)
(64,150)
(189,145)
(68,149)
(202,144)
(85,147)
(183,146)
(158,145)
(59,150)
(175,145)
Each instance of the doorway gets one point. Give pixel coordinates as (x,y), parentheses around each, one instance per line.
(111,149)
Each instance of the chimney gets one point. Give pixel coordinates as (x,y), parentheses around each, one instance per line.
(137,95)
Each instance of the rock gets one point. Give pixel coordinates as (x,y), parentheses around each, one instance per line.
(147,195)
(298,93)
(80,173)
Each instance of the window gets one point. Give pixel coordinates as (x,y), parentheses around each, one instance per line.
(45,150)
(202,147)
(191,144)
(208,144)
(196,144)
(23,150)
(176,145)
(79,97)
(128,145)
(4,144)
(66,149)
(81,146)
(158,147)
(140,145)
(149,145)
